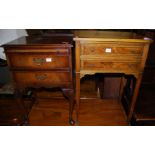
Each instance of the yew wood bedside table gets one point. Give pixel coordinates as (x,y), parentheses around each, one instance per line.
(42,62)
(110,52)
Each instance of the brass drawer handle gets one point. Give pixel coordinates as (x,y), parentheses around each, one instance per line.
(39,61)
(41,77)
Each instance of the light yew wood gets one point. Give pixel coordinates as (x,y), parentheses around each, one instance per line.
(111,66)
(89,36)
(111,40)
(134,98)
(114,58)
(77,55)
(144,57)
(128,56)
(116,48)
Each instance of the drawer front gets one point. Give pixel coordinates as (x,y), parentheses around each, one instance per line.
(100,49)
(110,66)
(44,78)
(39,61)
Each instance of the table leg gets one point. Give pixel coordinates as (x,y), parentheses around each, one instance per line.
(134,97)
(20,102)
(69,93)
(77,97)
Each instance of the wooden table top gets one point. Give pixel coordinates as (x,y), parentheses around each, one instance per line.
(42,40)
(100,35)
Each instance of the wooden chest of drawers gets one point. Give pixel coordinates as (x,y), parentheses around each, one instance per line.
(110,52)
(42,62)
(111,57)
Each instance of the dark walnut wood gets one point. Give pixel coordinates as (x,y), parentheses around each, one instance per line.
(38,62)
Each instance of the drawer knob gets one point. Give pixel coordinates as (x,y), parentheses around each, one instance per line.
(41,77)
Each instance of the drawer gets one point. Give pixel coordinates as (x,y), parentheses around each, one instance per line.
(39,61)
(99,49)
(110,66)
(44,78)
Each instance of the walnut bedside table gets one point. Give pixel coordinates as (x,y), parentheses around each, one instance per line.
(42,62)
